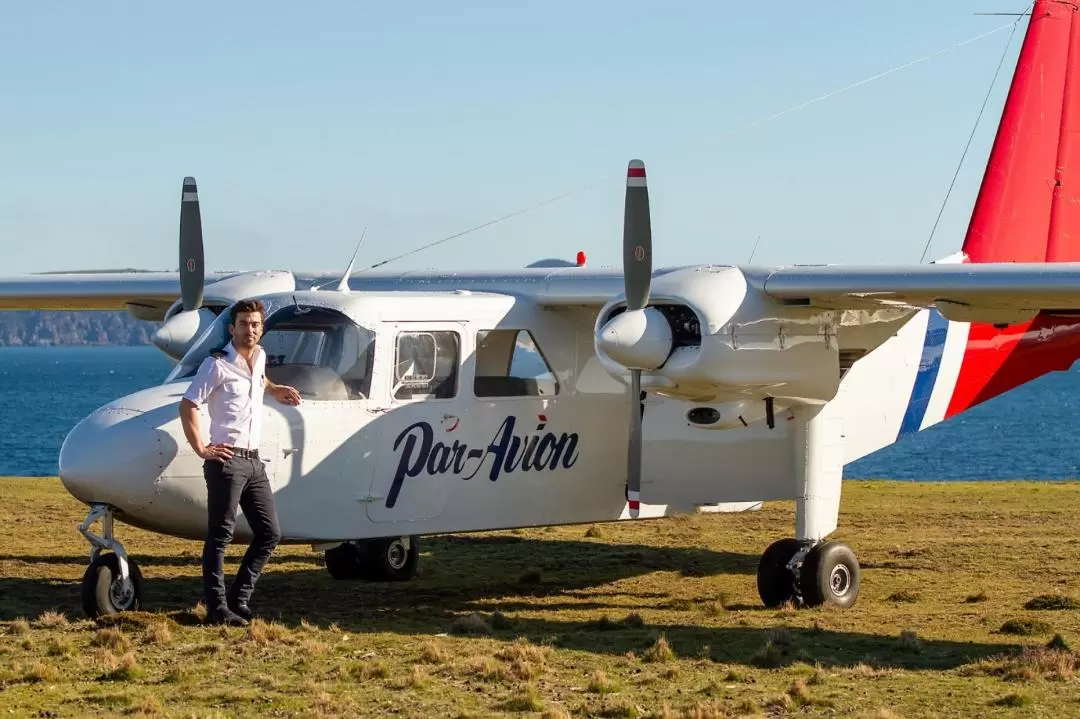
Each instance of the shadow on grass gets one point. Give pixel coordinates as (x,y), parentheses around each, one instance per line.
(461,575)
(452,569)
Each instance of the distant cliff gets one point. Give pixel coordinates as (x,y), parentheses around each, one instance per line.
(31,327)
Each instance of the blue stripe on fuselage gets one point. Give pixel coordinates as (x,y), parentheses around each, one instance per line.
(937,327)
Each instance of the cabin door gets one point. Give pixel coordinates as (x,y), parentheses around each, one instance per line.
(425,404)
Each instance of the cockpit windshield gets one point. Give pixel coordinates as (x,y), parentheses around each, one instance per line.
(318,350)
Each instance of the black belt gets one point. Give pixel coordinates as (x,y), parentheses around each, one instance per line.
(245,453)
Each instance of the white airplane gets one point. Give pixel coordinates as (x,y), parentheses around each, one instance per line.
(453,402)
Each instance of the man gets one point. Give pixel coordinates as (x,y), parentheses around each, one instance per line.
(231,383)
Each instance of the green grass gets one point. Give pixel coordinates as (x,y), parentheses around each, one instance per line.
(644,619)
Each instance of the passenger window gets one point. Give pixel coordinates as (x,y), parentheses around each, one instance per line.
(509,364)
(426,365)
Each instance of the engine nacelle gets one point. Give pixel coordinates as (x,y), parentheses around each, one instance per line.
(749,345)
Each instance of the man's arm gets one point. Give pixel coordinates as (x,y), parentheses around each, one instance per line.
(205,381)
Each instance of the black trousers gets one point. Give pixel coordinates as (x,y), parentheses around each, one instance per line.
(238,482)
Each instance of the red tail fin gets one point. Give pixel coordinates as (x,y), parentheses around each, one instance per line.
(1028,209)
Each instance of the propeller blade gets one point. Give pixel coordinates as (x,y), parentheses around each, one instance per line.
(637,238)
(191,247)
(633,463)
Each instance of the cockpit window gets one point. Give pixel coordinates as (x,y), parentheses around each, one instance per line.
(320,351)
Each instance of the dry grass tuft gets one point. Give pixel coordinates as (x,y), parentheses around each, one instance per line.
(51,620)
(1012,700)
(600,684)
(768,657)
(526,699)
(158,633)
(909,641)
(434,653)
(59,647)
(660,651)
(1030,663)
(146,705)
(127,669)
(111,638)
(474,623)
(41,672)
(19,628)
(1025,627)
(1052,602)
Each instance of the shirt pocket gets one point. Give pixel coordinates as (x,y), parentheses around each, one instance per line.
(236,392)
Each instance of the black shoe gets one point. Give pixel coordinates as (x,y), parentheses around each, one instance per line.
(225,617)
(242,611)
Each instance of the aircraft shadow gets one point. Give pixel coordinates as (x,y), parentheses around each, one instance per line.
(453,568)
(488,574)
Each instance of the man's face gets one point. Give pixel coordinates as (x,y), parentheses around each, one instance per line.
(248,329)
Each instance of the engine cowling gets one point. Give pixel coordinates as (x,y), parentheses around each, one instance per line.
(178,332)
(744,344)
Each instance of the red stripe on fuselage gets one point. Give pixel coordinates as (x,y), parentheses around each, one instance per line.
(997,360)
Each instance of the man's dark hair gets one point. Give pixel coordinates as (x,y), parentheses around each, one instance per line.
(246,306)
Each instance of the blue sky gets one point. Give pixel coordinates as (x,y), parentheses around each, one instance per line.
(304,123)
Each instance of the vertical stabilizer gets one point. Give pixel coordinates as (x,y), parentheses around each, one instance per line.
(1028,208)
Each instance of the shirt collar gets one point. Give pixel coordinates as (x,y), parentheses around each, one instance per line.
(231,353)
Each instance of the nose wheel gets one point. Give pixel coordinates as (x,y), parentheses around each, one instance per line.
(112,583)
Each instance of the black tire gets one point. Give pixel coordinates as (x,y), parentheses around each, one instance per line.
(776,584)
(390,561)
(346,561)
(102,593)
(830,574)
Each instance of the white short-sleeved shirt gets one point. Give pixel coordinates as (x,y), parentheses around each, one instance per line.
(233,396)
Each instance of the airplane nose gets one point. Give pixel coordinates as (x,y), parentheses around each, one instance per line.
(113,456)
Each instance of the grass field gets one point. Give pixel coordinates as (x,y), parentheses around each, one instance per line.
(968,607)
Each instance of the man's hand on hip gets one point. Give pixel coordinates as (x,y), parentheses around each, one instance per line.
(217,452)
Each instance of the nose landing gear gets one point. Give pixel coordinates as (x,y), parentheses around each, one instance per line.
(112,583)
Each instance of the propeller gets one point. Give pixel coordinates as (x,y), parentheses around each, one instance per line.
(191,247)
(637,276)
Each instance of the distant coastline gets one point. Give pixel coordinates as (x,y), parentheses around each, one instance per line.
(38,328)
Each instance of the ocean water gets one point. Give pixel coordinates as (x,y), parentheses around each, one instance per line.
(1029,433)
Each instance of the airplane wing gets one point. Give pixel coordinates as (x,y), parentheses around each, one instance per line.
(146,294)
(967,292)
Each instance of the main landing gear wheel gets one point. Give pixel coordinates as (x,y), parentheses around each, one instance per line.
(391,559)
(826,573)
(830,574)
(112,583)
(776,583)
